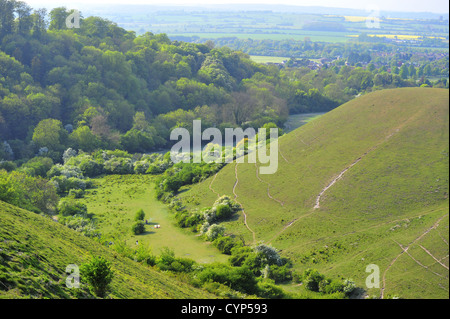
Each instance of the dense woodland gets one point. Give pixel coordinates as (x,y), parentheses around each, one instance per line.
(102,87)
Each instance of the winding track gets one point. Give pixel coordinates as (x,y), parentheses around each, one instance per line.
(335,180)
(405,250)
(242,207)
(268,187)
(350,166)
(210,185)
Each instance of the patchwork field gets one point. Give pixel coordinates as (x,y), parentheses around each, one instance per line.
(275,23)
(366,183)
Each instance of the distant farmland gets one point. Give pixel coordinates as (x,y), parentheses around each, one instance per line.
(268,59)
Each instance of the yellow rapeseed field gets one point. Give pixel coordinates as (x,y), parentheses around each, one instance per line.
(355,18)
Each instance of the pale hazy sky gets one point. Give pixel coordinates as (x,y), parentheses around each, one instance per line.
(436,6)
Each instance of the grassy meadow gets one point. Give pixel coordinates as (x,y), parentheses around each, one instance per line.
(114,204)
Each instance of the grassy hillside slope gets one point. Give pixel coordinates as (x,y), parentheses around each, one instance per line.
(35,251)
(366,183)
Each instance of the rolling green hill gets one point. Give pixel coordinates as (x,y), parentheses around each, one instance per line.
(35,251)
(366,183)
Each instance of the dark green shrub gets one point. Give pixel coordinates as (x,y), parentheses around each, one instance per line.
(118,165)
(143,254)
(332,287)
(280,273)
(64,184)
(239,255)
(348,287)
(267,289)
(69,207)
(39,165)
(225,244)
(223,212)
(98,274)
(153,169)
(140,167)
(76,193)
(312,279)
(168,261)
(140,215)
(237,278)
(182,265)
(90,168)
(138,227)
(7,165)
(167,256)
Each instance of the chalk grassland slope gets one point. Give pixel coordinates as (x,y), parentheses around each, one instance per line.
(35,251)
(366,183)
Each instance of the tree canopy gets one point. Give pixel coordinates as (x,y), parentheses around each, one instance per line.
(100,86)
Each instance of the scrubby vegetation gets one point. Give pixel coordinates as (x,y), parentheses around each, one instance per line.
(182,174)
(98,274)
(34,193)
(250,271)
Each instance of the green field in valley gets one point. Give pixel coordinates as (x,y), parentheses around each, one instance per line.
(114,204)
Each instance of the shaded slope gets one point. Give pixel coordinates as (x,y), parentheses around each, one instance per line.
(373,163)
(34,253)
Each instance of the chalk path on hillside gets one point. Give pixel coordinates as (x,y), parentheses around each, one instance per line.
(235,195)
(418,262)
(317,205)
(210,185)
(432,256)
(268,187)
(405,250)
(335,180)
(242,207)
(268,184)
(281,153)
